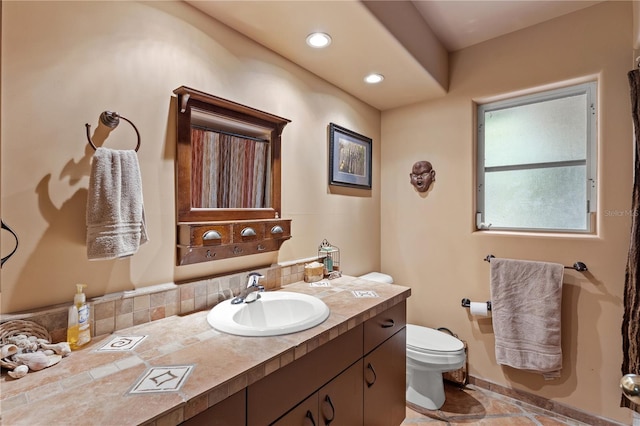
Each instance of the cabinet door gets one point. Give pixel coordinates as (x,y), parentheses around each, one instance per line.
(304,414)
(228,412)
(274,395)
(340,400)
(385,382)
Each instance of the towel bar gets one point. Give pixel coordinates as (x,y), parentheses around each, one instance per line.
(578,266)
(466,303)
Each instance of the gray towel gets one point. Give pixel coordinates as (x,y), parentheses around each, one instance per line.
(115,212)
(526,302)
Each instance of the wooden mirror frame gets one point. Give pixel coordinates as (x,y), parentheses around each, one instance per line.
(230,112)
(206,234)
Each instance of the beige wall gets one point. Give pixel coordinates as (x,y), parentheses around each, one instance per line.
(63,63)
(429,241)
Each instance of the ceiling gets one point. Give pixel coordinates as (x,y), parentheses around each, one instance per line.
(406,41)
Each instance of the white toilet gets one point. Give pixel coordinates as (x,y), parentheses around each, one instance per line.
(429,354)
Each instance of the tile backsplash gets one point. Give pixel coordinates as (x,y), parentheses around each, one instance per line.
(121,310)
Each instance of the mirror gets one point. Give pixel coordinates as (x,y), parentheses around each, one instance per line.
(227,179)
(228,159)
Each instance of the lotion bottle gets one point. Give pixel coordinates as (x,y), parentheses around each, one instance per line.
(83,323)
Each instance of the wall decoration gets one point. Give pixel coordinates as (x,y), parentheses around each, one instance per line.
(349,158)
(422,175)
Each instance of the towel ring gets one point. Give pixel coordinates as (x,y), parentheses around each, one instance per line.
(111,120)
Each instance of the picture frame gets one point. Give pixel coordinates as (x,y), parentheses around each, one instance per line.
(349,158)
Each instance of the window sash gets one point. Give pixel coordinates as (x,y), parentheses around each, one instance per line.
(588,89)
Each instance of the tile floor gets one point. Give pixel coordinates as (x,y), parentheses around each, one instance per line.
(476,406)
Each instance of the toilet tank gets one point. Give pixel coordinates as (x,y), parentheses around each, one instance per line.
(378,277)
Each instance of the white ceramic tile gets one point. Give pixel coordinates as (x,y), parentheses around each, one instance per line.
(121,343)
(162,379)
(364,293)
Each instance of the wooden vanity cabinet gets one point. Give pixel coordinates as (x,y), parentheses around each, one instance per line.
(358,378)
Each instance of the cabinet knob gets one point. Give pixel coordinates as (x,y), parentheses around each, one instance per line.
(277,230)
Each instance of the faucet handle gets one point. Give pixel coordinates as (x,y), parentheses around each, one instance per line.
(254,279)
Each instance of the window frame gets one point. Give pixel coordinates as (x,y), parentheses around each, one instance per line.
(590,89)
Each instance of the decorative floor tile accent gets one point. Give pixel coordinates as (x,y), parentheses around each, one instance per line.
(162,379)
(364,293)
(121,343)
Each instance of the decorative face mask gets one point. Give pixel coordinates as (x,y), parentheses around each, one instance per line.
(422,175)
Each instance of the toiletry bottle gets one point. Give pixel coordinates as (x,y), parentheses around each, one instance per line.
(84,326)
(72,327)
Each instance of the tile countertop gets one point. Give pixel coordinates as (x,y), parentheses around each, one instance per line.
(94,385)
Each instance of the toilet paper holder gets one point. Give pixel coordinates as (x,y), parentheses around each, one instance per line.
(467,303)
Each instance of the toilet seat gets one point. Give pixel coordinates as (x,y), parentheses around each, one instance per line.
(433,350)
(378,277)
(429,340)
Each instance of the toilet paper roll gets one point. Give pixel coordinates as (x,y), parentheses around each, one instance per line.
(479,308)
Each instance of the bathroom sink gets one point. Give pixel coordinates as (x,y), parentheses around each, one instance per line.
(274,313)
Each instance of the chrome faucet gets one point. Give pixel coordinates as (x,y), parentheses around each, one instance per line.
(253,290)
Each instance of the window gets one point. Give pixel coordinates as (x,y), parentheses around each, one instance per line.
(537,161)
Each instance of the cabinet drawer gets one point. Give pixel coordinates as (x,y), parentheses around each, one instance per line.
(277,229)
(384,325)
(204,235)
(248,231)
(195,254)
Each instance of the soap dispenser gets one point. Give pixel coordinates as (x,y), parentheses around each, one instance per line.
(79,328)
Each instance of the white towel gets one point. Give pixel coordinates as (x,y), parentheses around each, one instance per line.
(115,212)
(526,300)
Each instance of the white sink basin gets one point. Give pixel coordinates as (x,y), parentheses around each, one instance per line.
(274,313)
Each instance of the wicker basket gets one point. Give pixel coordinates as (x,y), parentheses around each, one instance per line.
(16,327)
(458,377)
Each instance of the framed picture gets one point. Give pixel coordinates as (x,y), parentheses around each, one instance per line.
(349,158)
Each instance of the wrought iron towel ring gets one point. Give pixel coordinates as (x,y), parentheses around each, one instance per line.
(111,120)
(4,259)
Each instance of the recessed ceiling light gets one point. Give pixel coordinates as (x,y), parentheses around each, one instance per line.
(318,40)
(374,78)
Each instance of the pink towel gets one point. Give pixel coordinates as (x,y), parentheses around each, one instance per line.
(526,302)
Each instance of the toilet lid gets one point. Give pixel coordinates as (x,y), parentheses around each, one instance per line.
(429,339)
